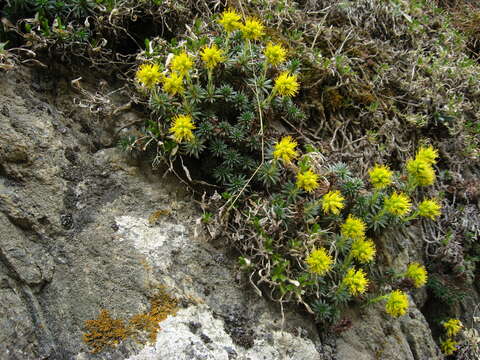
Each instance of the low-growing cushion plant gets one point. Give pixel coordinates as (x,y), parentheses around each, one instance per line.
(307,231)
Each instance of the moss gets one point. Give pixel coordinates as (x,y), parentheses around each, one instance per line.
(333,100)
(108,332)
(104,332)
(364,98)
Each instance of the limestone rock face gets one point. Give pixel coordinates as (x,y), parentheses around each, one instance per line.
(84,228)
(376,336)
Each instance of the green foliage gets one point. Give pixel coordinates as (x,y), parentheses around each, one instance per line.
(291,223)
(325,312)
(447,293)
(207,217)
(226,102)
(52,17)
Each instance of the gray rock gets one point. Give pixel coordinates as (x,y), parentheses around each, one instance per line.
(375,335)
(83,232)
(176,341)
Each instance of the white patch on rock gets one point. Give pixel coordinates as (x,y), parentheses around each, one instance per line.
(155,242)
(176,341)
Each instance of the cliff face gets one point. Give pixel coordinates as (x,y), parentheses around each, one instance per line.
(86,229)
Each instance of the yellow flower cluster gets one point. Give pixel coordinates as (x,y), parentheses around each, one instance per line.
(332,202)
(363,250)
(182,63)
(380,176)
(253,29)
(427,154)
(307,180)
(285,149)
(212,56)
(420,170)
(397,204)
(417,273)
(356,281)
(182,128)
(448,346)
(286,85)
(353,228)
(421,173)
(173,84)
(319,262)
(230,21)
(397,303)
(149,75)
(452,326)
(429,208)
(275,54)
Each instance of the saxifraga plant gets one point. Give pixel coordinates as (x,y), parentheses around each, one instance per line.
(214,99)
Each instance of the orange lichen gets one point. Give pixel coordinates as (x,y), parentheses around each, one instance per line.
(107,332)
(104,331)
(153,218)
(161,305)
(141,323)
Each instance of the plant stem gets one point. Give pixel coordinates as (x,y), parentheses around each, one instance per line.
(347,262)
(270,97)
(410,186)
(379,215)
(210,86)
(260,115)
(377,299)
(412,217)
(374,198)
(227,41)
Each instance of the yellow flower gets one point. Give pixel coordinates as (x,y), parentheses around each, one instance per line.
(332,202)
(356,281)
(173,84)
(285,149)
(149,75)
(212,56)
(363,250)
(397,303)
(448,346)
(286,85)
(319,262)
(182,63)
(452,326)
(307,180)
(353,228)
(275,54)
(253,29)
(420,172)
(182,128)
(397,204)
(417,273)
(380,176)
(429,208)
(230,20)
(427,154)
